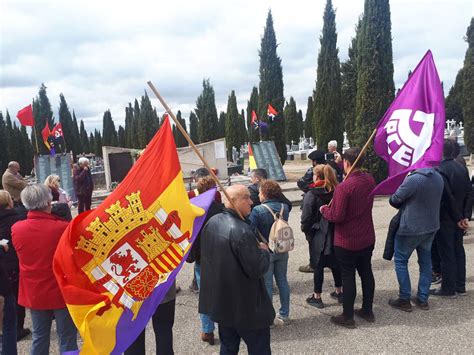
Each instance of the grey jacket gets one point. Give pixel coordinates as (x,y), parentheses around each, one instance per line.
(419,198)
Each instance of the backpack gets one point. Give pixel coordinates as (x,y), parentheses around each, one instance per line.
(280,239)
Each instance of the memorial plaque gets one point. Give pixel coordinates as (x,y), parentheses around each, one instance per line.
(120,165)
(59,164)
(266,157)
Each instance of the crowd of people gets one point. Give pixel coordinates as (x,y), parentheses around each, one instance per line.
(236,272)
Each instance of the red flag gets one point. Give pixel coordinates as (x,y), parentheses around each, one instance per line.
(45,133)
(271,112)
(57,131)
(254,117)
(25,116)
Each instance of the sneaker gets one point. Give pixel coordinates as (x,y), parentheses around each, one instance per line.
(306,268)
(439,292)
(22,333)
(282,319)
(367,316)
(401,304)
(337,296)
(208,338)
(420,304)
(315,302)
(436,279)
(343,321)
(461,293)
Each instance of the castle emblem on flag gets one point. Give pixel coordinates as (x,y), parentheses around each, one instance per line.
(134,250)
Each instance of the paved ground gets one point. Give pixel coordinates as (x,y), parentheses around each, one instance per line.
(447,327)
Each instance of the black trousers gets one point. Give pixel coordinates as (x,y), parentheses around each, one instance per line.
(84,203)
(330,262)
(163,321)
(14,276)
(435,258)
(350,261)
(453,258)
(257,341)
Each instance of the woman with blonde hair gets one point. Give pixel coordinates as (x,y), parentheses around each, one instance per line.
(54,184)
(319,232)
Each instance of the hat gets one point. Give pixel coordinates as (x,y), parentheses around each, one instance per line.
(317,156)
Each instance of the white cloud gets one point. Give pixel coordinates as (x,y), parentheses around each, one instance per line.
(100,54)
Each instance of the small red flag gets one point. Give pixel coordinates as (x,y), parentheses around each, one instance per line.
(25,116)
(254,117)
(57,131)
(271,111)
(45,133)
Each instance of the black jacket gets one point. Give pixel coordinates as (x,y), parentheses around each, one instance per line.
(304,182)
(232,291)
(195,253)
(456,202)
(254,190)
(9,259)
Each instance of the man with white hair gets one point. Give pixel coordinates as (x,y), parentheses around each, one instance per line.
(233,263)
(83,184)
(35,240)
(13,182)
(332,149)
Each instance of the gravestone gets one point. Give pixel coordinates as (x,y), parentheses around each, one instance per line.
(59,164)
(266,157)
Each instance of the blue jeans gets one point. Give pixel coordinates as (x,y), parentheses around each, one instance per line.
(206,323)
(42,320)
(278,268)
(8,343)
(404,247)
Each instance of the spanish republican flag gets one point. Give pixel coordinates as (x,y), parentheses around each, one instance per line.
(115,264)
(252,162)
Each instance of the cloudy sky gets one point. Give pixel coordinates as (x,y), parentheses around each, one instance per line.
(100,54)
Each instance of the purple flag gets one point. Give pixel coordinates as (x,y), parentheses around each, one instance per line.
(410,135)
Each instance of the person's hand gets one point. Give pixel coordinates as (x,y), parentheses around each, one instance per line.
(337,157)
(263,246)
(5,247)
(86,168)
(321,208)
(463,224)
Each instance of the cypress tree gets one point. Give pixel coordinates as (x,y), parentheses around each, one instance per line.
(136,125)
(109,134)
(128,126)
(375,87)
(327,109)
(243,130)
(84,139)
(121,138)
(12,144)
(252,105)
(271,87)
(98,143)
(4,158)
(221,125)
(194,128)
(453,101)
(233,138)
(300,123)
(148,122)
(27,151)
(308,122)
(180,139)
(468,89)
(349,88)
(42,113)
(92,143)
(77,144)
(206,112)
(65,118)
(291,122)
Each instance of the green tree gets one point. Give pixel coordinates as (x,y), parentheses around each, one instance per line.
(349,88)
(194,128)
(206,112)
(109,134)
(4,157)
(65,118)
(77,143)
(453,101)
(375,87)
(121,137)
(221,125)
(92,143)
(271,87)
(28,153)
(84,139)
(468,89)
(42,113)
(98,143)
(148,122)
(12,144)
(181,141)
(243,130)
(300,123)
(136,125)
(129,126)
(252,105)
(233,137)
(327,105)
(291,122)
(308,122)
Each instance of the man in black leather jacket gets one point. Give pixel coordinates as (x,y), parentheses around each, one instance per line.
(233,262)
(456,210)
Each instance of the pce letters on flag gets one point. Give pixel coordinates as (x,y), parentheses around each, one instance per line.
(115,264)
(411,133)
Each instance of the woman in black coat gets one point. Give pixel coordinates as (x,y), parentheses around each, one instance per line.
(319,232)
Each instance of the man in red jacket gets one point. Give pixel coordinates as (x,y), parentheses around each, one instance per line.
(354,237)
(35,240)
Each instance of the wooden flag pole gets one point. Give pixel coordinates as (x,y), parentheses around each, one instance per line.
(36,139)
(193,146)
(362,152)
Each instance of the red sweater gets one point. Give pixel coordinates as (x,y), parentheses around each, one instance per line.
(351,212)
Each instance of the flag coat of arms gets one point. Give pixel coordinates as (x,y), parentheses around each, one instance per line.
(411,133)
(115,264)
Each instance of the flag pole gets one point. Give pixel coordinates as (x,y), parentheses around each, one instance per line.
(362,152)
(36,138)
(193,146)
